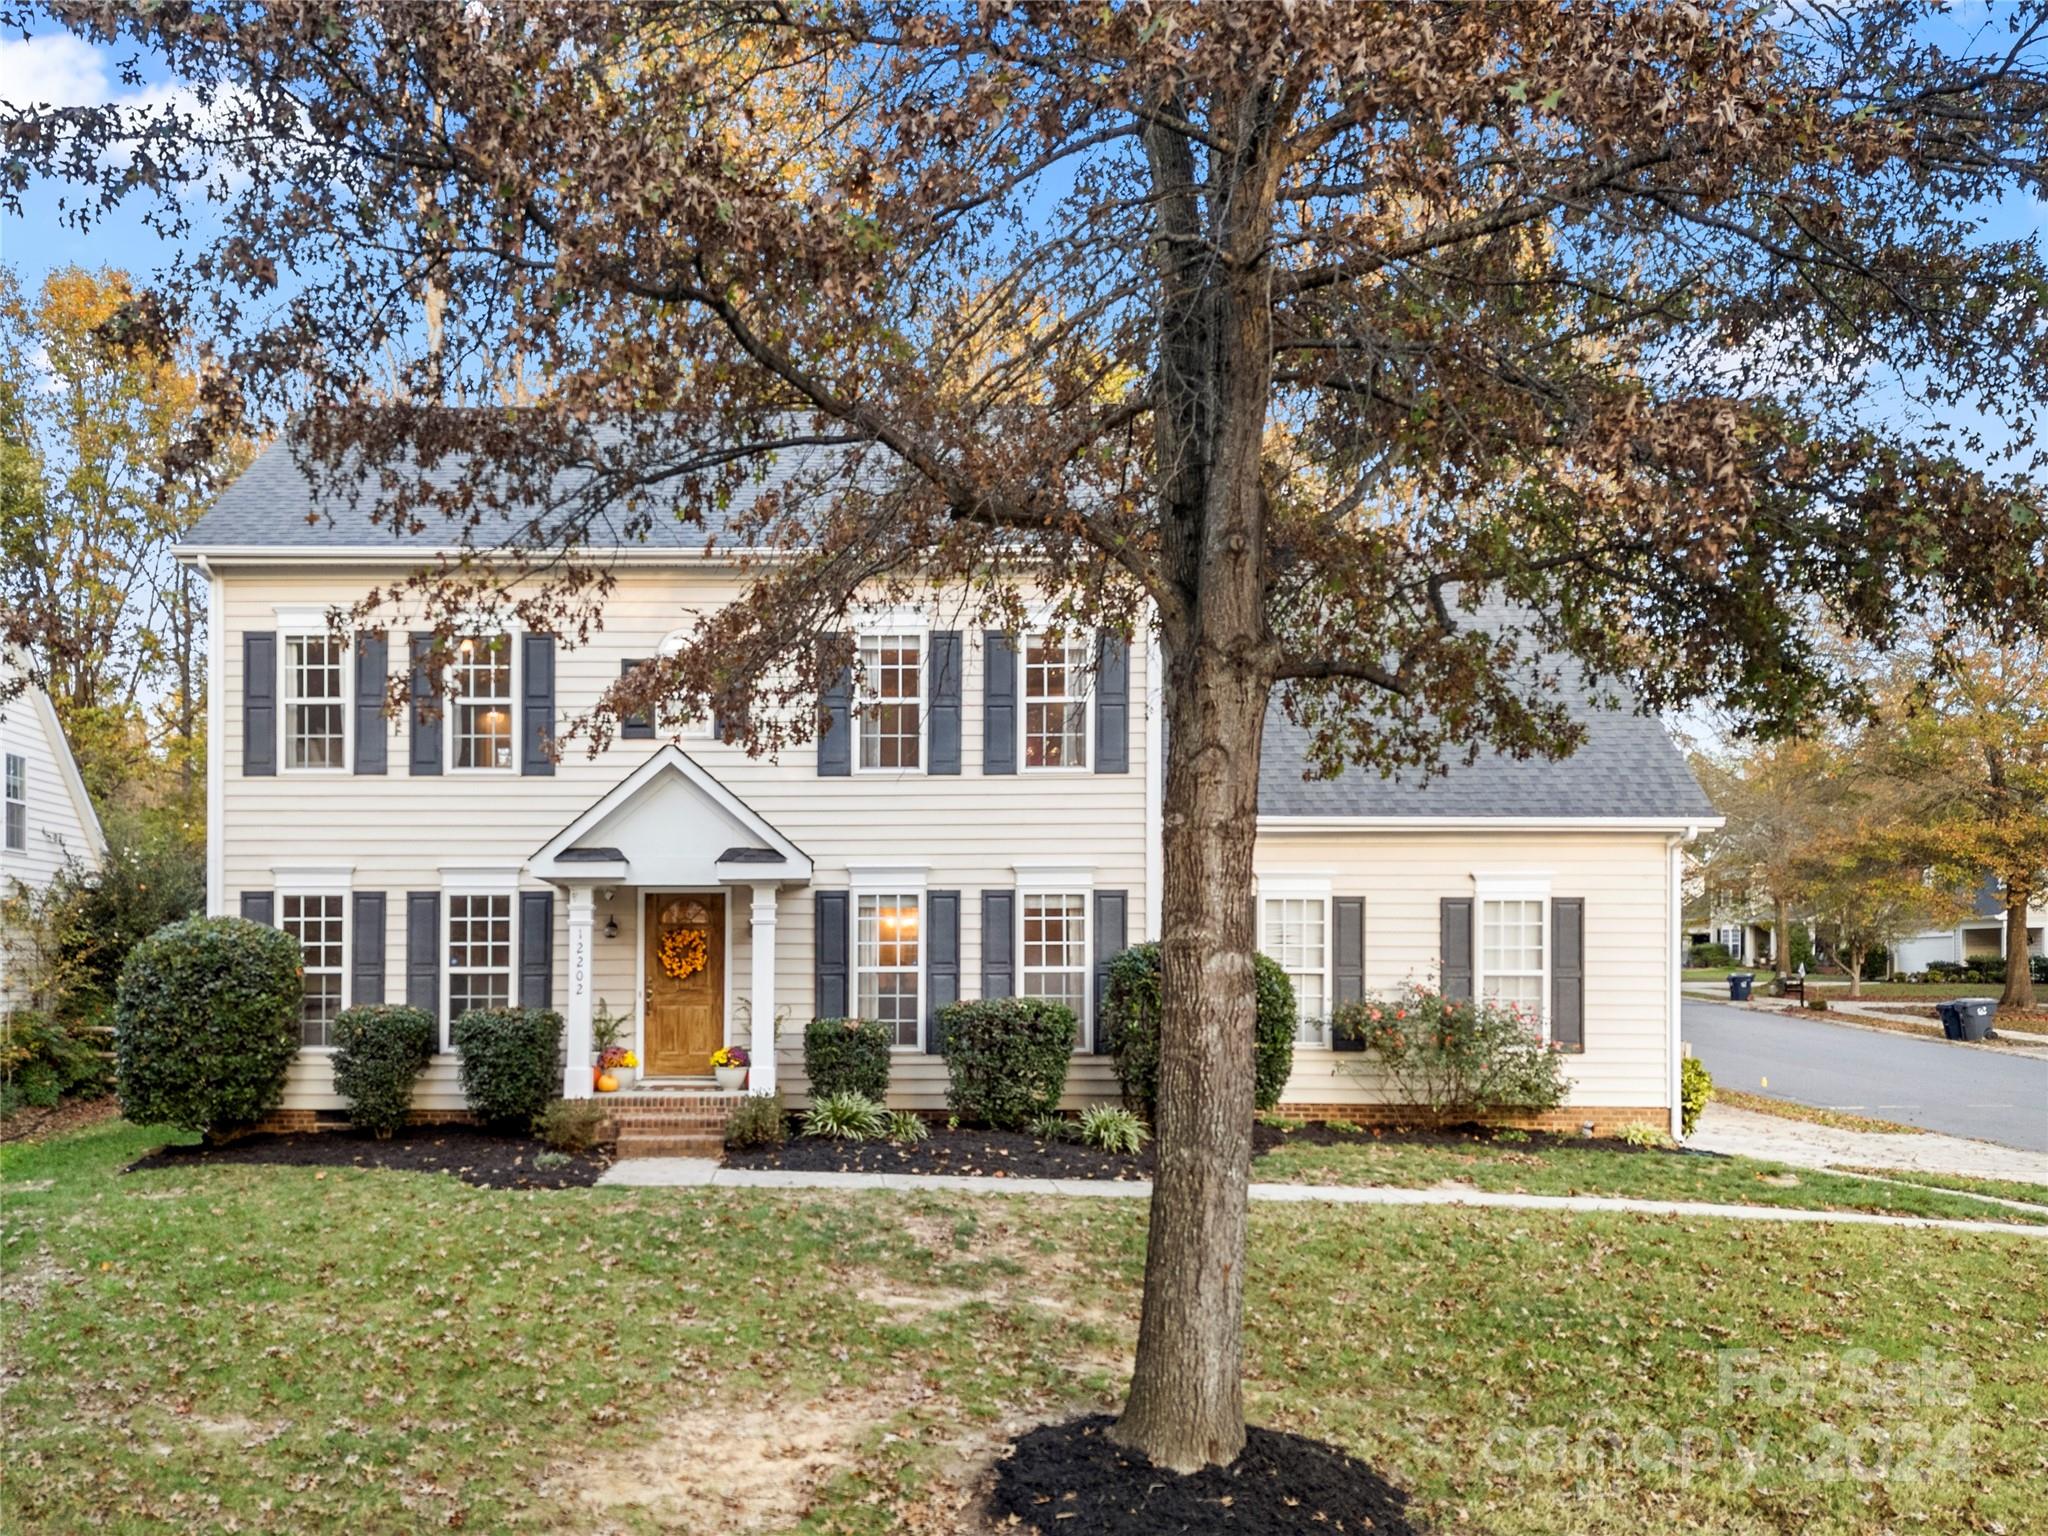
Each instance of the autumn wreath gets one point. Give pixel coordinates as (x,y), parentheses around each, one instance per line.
(683,953)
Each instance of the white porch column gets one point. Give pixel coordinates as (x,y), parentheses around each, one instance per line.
(761,1050)
(576,1083)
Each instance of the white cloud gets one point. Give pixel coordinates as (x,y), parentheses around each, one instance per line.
(57,70)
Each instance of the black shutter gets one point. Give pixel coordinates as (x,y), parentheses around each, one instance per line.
(835,738)
(998,703)
(426,710)
(943,718)
(536,949)
(537,705)
(423,951)
(259,703)
(941,962)
(1112,937)
(835,999)
(366,962)
(260,907)
(372,664)
(1112,704)
(1455,945)
(1347,955)
(638,726)
(1568,973)
(998,943)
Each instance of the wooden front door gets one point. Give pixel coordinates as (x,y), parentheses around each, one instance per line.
(685,1014)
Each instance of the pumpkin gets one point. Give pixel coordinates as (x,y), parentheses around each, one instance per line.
(606,1083)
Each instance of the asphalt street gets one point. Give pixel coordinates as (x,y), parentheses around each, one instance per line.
(1965,1091)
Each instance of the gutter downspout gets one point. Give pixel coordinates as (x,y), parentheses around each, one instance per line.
(216,746)
(1674,964)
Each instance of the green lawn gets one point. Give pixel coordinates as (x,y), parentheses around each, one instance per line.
(2003,1189)
(1568,1170)
(265,1349)
(1763,974)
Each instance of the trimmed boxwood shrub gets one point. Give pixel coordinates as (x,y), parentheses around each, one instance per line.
(379,1051)
(847,1056)
(206,1019)
(1130,1013)
(511,1062)
(1006,1058)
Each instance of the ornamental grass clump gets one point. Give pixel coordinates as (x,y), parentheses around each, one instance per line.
(379,1053)
(1110,1128)
(906,1128)
(1453,1058)
(846,1117)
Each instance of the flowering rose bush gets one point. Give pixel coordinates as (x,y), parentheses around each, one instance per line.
(1453,1058)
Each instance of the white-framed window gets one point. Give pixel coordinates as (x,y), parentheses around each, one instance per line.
(1052,948)
(480,703)
(479,951)
(316,702)
(319,921)
(1513,959)
(891,710)
(1057,678)
(888,963)
(17,803)
(1295,933)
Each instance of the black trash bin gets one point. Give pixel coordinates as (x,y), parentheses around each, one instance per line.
(1738,987)
(1974,1016)
(1951,1020)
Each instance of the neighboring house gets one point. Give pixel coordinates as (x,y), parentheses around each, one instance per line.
(987,824)
(1980,936)
(1749,939)
(49,819)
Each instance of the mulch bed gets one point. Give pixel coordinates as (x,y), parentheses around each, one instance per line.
(989,1154)
(1071,1480)
(474,1156)
(30,1124)
(1468,1136)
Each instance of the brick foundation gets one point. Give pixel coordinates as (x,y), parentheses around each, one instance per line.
(289,1121)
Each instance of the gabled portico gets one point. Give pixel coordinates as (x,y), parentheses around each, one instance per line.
(670,827)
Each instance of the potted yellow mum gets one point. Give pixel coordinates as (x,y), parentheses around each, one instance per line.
(729,1065)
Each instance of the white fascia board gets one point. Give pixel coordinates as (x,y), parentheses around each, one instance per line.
(1689,826)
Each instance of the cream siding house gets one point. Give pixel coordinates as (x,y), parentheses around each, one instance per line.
(982,821)
(49,820)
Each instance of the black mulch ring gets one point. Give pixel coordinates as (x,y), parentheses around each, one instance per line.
(479,1157)
(991,1154)
(1072,1480)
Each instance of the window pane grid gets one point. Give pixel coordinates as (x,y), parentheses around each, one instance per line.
(888,966)
(316,922)
(481,683)
(1055,703)
(891,710)
(1297,939)
(1055,952)
(17,803)
(1511,953)
(316,709)
(479,953)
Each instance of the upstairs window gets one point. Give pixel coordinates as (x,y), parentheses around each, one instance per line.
(315,702)
(1055,951)
(1055,702)
(317,923)
(480,697)
(479,952)
(892,702)
(17,803)
(889,966)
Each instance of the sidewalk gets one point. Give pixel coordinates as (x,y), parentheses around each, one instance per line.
(700,1173)
(1746,1133)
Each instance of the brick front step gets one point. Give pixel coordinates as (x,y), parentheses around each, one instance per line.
(657,1144)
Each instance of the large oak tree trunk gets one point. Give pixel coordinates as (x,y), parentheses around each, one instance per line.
(2019,976)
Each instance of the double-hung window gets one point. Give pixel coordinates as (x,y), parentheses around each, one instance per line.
(480,713)
(892,702)
(1055,715)
(320,924)
(17,803)
(888,964)
(479,951)
(1055,950)
(316,701)
(1513,941)
(1297,937)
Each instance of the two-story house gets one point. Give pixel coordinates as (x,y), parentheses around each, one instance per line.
(983,820)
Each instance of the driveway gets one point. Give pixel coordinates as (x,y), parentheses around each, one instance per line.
(1990,1095)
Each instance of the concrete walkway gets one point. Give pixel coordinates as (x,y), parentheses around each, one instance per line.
(693,1172)
(1746,1133)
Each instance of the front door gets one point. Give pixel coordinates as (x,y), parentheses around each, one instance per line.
(685,982)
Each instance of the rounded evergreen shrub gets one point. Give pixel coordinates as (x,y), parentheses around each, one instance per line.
(379,1052)
(846,1056)
(206,1019)
(511,1062)
(1006,1058)
(1130,1014)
